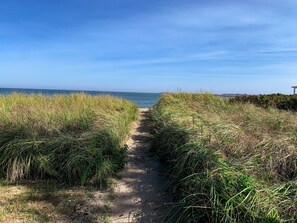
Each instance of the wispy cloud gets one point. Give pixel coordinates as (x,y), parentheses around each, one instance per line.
(188,43)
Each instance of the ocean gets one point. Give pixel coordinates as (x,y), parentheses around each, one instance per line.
(143,100)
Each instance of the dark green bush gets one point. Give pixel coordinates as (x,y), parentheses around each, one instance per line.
(279,101)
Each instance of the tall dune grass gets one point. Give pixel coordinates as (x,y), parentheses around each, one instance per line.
(228,163)
(75,138)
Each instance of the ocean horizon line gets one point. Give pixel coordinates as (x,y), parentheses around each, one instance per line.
(142,99)
(77,90)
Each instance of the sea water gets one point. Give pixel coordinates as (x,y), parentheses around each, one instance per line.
(143,100)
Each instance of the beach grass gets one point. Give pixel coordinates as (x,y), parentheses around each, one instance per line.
(70,138)
(227,162)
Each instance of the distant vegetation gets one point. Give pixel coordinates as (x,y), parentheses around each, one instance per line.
(280,101)
(229,162)
(74,139)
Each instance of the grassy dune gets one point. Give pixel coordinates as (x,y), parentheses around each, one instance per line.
(73,139)
(228,162)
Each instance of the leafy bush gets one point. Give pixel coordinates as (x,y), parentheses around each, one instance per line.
(280,101)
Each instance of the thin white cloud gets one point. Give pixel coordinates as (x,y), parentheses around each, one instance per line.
(221,15)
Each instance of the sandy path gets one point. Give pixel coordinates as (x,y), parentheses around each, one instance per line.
(139,194)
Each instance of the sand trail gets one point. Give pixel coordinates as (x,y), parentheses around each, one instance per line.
(139,193)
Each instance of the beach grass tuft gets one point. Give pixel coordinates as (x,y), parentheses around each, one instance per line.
(227,162)
(72,138)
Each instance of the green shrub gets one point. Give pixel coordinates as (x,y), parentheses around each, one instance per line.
(280,101)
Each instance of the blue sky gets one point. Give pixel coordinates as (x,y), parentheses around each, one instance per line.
(223,46)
